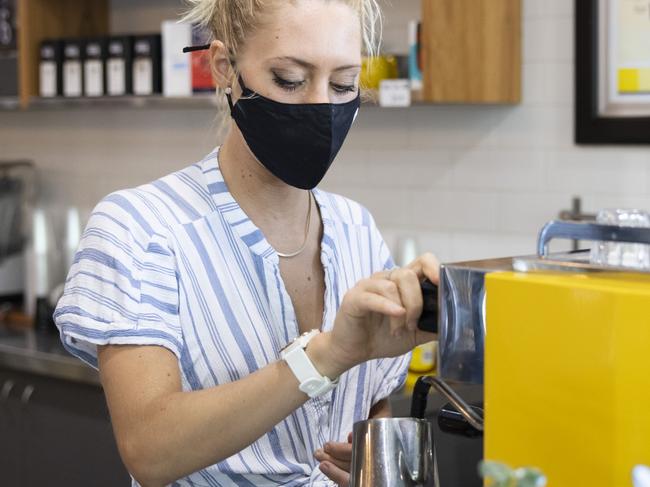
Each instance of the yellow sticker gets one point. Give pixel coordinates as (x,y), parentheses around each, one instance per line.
(628,80)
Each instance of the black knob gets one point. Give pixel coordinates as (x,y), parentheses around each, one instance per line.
(429,318)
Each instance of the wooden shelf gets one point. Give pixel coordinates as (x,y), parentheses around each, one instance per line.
(196,102)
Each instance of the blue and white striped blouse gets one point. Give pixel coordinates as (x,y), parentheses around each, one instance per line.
(177,263)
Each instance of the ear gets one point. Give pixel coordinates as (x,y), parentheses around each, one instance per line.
(220,64)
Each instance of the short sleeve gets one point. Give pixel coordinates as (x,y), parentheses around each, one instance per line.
(122,288)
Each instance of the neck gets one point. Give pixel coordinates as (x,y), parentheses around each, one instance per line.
(260,194)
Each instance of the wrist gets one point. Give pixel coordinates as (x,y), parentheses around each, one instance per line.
(321,353)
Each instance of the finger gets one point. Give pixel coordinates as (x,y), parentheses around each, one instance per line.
(383,287)
(427,266)
(340,451)
(372,302)
(321,456)
(334,473)
(410,292)
(350,437)
(389,289)
(381,275)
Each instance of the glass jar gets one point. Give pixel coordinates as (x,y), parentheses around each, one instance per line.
(631,255)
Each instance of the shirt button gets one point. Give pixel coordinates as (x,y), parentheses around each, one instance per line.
(324,419)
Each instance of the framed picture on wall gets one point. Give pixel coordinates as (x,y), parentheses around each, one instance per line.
(612,84)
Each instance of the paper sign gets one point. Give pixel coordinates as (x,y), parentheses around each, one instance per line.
(395,93)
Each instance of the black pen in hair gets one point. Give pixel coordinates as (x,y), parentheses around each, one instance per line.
(204,47)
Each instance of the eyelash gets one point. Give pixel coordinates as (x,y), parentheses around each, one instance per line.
(294,85)
(286,84)
(344,88)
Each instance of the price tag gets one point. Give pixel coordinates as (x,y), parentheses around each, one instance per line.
(395,93)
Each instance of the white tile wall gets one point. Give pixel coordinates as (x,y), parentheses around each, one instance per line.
(466,181)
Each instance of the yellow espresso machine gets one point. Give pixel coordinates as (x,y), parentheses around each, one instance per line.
(562,350)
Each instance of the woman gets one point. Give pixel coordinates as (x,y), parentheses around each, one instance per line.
(187,293)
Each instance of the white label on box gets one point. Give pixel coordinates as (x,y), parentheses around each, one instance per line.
(72,78)
(395,93)
(177,69)
(94,78)
(142,76)
(47,80)
(116,73)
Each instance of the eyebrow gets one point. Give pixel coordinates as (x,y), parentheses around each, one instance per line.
(308,65)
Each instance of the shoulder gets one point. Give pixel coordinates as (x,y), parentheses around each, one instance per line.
(156,207)
(346,210)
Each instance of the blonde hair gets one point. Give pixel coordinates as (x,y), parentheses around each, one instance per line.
(231,20)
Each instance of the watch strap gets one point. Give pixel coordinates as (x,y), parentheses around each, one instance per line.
(312,382)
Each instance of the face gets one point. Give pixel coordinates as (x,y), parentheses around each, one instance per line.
(307,51)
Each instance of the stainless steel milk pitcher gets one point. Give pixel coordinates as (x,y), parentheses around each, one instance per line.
(395,452)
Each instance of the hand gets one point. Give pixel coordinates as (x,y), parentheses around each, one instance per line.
(335,459)
(378,317)
(426,267)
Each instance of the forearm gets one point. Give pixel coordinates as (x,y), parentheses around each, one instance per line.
(179,433)
(188,431)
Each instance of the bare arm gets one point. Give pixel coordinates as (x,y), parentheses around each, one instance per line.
(164,434)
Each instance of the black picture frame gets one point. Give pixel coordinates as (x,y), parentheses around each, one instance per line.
(590,126)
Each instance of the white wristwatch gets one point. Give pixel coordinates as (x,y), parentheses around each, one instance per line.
(311,381)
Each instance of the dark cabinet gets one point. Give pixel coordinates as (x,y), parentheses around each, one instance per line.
(55,432)
(10,443)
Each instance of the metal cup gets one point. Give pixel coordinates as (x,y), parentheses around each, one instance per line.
(392,452)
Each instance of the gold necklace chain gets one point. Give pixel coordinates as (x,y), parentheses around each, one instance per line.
(304,244)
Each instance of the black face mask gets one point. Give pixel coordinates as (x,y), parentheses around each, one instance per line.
(295,142)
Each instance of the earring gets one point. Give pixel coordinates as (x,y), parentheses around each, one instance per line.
(228,92)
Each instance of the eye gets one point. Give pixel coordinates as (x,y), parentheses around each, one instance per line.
(286,84)
(344,88)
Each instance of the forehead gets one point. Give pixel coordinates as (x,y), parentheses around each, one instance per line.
(318,31)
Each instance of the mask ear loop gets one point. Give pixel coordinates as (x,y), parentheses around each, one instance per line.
(228,92)
(229,89)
